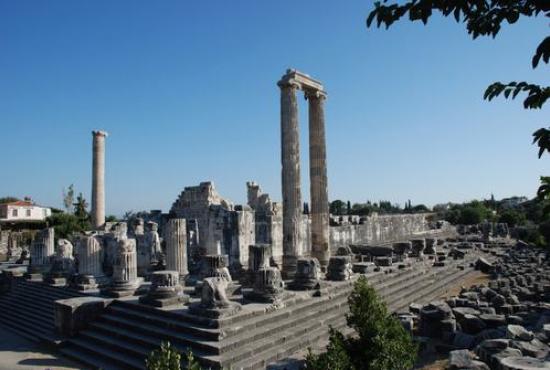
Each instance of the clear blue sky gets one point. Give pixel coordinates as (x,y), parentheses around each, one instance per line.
(187,91)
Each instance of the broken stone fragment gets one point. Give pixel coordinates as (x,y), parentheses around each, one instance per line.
(518,332)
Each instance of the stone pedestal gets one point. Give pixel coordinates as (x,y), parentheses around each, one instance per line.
(402,250)
(165,290)
(62,265)
(214,302)
(74,314)
(259,256)
(215,265)
(431,246)
(308,274)
(339,268)
(268,286)
(124,279)
(418,246)
(175,236)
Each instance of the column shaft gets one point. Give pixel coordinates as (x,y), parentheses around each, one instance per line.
(319,209)
(176,246)
(98,179)
(290,159)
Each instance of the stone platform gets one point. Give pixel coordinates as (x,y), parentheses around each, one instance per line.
(258,334)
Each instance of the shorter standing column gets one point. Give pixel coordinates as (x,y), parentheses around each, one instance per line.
(176,246)
(90,262)
(124,280)
(41,251)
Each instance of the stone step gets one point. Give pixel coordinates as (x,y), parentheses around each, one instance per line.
(427,291)
(103,354)
(161,320)
(45,290)
(29,329)
(403,294)
(32,312)
(430,293)
(339,307)
(404,284)
(398,279)
(269,345)
(138,337)
(91,361)
(43,304)
(262,359)
(288,312)
(150,331)
(24,316)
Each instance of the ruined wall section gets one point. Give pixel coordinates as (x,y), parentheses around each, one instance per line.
(220,226)
(376,228)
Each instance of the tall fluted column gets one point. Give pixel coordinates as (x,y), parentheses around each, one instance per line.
(290,159)
(98,179)
(319,210)
(176,246)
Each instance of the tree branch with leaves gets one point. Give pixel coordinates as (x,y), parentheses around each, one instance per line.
(482,18)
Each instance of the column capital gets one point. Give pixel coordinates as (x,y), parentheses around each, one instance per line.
(289,84)
(100,133)
(315,94)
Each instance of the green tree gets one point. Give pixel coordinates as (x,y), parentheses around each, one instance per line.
(512,217)
(8,199)
(381,342)
(482,18)
(111,218)
(336,356)
(471,216)
(337,207)
(65,224)
(80,207)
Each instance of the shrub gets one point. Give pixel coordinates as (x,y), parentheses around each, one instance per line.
(381,342)
(164,358)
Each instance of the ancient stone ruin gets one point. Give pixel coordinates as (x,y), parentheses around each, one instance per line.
(243,286)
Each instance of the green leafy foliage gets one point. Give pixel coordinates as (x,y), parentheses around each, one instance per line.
(381,342)
(191,362)
(512,217)
(165,358)
(336,356)
(8,199)
(65,224)
(169,358)
(337,207)
(483,18)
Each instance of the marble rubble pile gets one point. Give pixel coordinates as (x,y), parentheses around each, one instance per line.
(502,325)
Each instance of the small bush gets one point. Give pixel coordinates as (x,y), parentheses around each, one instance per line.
(381,344)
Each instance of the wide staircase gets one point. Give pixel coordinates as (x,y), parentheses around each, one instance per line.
(28,309)
(127,332)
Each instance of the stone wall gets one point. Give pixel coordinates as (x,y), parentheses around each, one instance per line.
(377,229)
